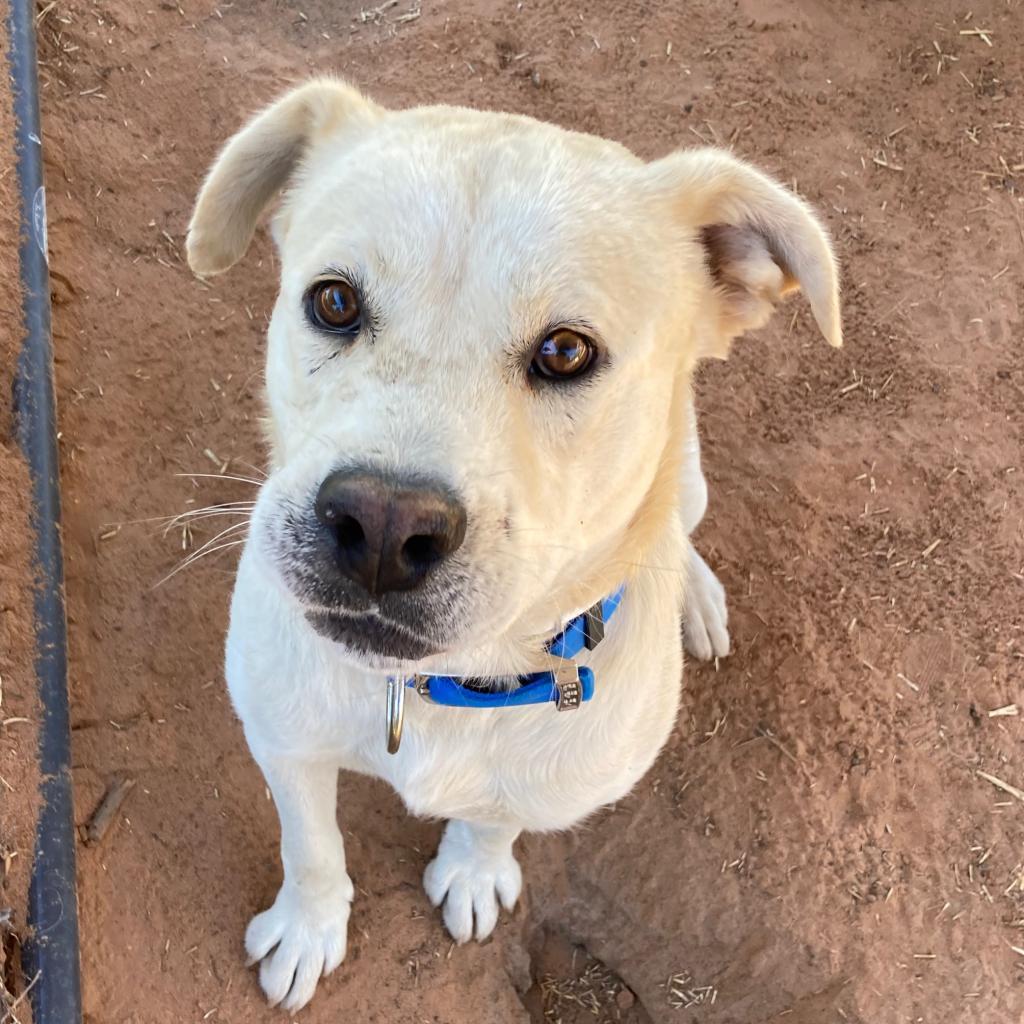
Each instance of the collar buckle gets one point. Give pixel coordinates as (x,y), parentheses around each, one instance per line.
(421,684)
(568,689)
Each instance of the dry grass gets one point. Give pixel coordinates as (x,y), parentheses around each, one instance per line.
(10,943)
(1004,786)
(684,993)
(11,1004)
(594,991)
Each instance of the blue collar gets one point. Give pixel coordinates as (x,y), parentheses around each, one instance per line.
(584,632)
(566,686)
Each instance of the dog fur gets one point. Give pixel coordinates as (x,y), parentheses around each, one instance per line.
(475,232)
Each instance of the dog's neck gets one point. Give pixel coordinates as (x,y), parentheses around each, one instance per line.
(648,546)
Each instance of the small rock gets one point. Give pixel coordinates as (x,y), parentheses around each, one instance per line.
(625,999)
(535,78)
(517,965)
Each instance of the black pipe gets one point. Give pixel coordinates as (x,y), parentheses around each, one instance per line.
(51,950)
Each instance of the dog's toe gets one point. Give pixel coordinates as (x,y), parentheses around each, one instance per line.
(705,613)
(458,911)
(263,934)
(308,971)
(472,889)
(299,940)
(277,971)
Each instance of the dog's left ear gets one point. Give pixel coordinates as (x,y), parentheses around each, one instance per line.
(760,242)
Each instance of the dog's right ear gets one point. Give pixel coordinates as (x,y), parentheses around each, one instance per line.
(257,163)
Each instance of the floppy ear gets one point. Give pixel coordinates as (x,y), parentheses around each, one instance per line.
(760,242)
(257,163)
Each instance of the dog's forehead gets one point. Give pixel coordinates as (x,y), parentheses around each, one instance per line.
(453,199)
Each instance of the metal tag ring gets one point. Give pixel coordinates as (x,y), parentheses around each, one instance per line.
(395,712)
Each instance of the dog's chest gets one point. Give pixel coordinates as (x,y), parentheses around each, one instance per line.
(533,766)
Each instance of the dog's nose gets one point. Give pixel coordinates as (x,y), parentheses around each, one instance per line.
(388,535)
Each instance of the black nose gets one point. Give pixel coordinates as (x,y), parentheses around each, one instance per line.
(388,535)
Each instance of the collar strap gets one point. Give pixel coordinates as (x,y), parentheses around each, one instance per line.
(586,631)
(566,686)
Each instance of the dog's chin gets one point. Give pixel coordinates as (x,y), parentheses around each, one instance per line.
(371,640)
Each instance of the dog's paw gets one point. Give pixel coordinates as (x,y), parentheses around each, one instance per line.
(471,882)
(705,614)
(299,940)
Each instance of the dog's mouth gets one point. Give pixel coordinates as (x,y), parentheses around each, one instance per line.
(371,636)
(397,626)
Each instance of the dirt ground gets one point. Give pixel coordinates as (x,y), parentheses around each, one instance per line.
(816,844)
(19,711)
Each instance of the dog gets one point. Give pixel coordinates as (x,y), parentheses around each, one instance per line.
(484,473)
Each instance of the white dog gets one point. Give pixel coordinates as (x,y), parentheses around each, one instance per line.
(483,436)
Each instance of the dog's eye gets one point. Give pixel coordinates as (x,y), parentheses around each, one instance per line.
(334,306)
(563,354)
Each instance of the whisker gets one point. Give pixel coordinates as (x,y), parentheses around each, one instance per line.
(221,476)
(222,504)
(197,556)
(261,473)
(228,505)
(241,508)
(213,540)
(189,522)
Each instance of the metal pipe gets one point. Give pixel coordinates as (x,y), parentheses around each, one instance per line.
(51,951)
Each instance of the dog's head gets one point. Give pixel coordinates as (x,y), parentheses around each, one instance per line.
(479,359)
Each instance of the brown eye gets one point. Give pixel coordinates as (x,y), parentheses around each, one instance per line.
(334,306)
(563,354)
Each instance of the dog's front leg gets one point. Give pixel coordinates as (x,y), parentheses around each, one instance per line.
(705,613)
(473,870)
(303,935)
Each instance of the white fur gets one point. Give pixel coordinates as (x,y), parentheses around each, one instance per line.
(474,232)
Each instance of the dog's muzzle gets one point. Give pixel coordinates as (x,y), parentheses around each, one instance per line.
(372,556)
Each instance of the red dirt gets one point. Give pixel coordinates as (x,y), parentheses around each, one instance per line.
(19,711)
(815,845)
